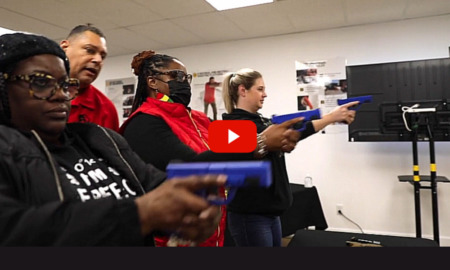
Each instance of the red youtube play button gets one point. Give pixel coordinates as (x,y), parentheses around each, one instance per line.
(232,136)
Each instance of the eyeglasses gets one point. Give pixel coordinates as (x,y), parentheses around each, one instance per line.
(176,74)
(44,86)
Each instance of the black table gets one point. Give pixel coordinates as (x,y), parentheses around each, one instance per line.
(306,210)
(314,238)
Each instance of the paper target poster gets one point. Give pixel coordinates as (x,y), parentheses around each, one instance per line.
(121,92)
(320,83)
(203,103)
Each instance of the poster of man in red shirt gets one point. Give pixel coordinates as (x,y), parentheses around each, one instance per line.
(209,97)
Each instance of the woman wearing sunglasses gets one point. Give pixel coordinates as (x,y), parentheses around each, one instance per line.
(162,128)
(79,184)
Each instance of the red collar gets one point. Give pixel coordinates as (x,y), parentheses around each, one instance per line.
(86,99)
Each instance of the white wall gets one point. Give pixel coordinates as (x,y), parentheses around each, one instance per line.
(360,175)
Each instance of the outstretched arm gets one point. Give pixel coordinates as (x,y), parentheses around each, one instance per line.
(339,114)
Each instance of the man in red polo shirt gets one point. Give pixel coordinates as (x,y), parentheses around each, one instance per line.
(86,49)
(209,97)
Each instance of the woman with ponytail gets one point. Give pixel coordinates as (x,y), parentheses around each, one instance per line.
(254,215)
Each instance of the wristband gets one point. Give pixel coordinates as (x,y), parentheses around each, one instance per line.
(262,147)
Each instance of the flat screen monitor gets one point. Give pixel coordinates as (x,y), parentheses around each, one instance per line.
(395,86)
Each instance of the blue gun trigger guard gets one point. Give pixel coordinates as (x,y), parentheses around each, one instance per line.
(230,196)
(355,107)
(302,124)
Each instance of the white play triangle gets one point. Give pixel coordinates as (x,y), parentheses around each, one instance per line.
(232,136)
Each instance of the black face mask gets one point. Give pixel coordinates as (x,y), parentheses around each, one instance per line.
(180,92)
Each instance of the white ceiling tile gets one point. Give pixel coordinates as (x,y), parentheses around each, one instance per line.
(210,27)
(170,9)
(167,33)
(17,22)
(120,12)
(131,40)
(421,8)
(370,11)
(262,20)
(64,15)
(313,14)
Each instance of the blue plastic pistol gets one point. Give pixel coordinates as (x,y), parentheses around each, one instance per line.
(299,126)
(240,174)
(361,99)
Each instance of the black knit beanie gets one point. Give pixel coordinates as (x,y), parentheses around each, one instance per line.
(18,46)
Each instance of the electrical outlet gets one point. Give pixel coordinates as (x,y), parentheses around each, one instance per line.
(339,207)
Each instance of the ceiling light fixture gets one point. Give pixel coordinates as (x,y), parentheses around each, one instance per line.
(230,4)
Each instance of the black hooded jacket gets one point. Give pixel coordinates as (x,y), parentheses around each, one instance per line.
(277,198)
(37,209)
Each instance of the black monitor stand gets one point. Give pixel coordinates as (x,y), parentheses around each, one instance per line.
(419,121)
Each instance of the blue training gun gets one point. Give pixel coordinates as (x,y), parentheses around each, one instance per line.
(361,99)
(299,126)
(240,174)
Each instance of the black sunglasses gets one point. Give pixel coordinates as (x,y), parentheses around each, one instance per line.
(176,74)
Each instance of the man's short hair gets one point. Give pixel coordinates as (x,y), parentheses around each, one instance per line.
(79,29)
